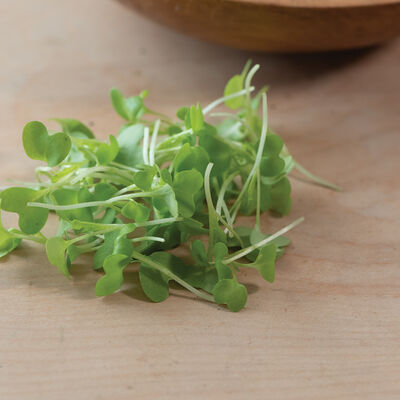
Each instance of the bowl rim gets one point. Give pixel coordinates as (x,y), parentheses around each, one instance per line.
(318,4)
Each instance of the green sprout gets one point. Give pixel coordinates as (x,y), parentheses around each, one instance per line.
(156,185)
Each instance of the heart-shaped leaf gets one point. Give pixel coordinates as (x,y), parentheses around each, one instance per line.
(231,293)
(39,145)
(113,279)
(265,262)
(31,219)
(128,108)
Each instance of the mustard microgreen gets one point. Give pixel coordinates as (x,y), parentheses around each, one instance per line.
(157,184)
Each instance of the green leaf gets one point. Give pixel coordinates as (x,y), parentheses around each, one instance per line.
(265,262)
(220,251)
(271,166)
(273,145)
(113,279)
(144,179)
(231,128)
(136,211)
(234,85)
(249,202)
(35,140)
(155,283)
(202,278)
(58,148)
(189,157)
(74,128)
(128,108)
(123,245)
(218,152)
(165,202)
(106,249)
(231,293)
(7,241)
(31,219)
(130,152)
(199,252)
(39,145)
(182,112)
(55,250)
(66,196)
(186,184)
(107,153)
(196,118)
(280,197)
(104,191)
(192,227)
(166,176)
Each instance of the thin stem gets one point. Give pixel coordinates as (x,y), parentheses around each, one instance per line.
(247,82)
(91,234)
(146,145)
(258,209)
(222,100)
(153,142)
(316,179)
(211,211)
(148,261)
(153,238)
(260,150)
(263,242)
(222,192)
(158,221)
(122,166)
(67,207)
(28,237)
(173,138)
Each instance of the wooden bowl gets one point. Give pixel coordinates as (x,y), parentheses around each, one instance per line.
(279,25)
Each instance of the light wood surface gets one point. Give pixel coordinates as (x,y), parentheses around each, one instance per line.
(328,328)
(279,25)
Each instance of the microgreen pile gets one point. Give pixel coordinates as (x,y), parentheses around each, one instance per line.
(158,184)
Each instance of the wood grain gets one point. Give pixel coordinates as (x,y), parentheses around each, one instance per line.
(328,328)
(279,25)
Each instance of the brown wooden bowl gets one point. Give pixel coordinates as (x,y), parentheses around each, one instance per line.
(279,25)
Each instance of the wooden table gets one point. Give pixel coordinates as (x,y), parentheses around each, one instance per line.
(328,328)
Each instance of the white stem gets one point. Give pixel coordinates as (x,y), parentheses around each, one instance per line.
(153,238)
(154,141)
(146,145)
(263,242)
(250,75)
(158,221)
(221,100)
(263,137)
